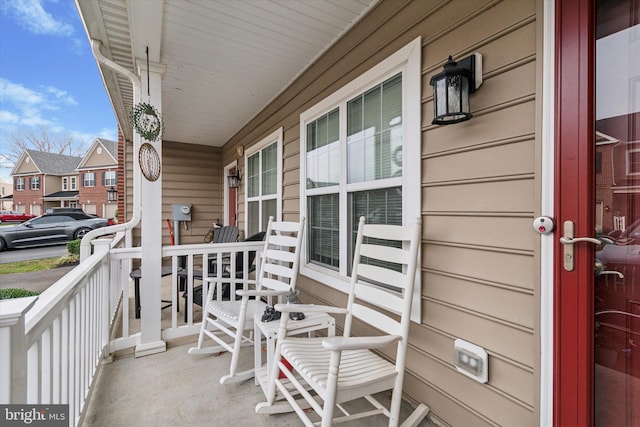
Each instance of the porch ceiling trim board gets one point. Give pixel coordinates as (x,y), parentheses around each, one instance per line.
(225,60)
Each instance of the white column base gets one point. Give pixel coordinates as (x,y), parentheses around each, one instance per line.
(150,348)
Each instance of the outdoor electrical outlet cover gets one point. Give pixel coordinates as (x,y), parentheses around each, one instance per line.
(471,360)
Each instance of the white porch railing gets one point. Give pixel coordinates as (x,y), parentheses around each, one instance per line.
(195,260)
(53,344)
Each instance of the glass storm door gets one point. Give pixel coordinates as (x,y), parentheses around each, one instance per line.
(597,160)
(616,304)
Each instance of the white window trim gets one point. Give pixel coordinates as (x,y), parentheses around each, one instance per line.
(628,162)
(227,172)
(115,178)
(73,183)
(65,183)
(408,61)
(84,180)
(20,184)
(276,137)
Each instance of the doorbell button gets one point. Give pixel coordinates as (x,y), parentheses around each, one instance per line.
(543,225)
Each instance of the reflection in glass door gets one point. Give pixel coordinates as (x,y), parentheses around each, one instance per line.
(617,214)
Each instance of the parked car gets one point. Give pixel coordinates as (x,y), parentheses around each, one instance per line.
(48,229)
(14,216)
(67,210)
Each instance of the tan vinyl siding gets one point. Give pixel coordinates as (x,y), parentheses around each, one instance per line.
(51,184)
(26,168)
(191,174)
(101,160)
(479,194)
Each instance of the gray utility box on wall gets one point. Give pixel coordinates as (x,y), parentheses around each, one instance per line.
(181,212)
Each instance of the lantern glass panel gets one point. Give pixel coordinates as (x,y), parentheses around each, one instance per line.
(441,97)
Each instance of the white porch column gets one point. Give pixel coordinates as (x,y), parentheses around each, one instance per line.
(151,219)
(13,352)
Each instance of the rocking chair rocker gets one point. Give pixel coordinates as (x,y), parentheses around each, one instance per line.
(327,372)
(225,322)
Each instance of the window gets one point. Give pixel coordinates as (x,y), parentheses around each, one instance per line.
(73,186)
(35,183)
(263,166)
(360,156)
(89,179)
(20,184)
(110,178)
(633,162)
(65,184)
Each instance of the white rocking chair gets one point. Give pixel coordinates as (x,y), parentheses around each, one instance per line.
(335,370)
(226,322)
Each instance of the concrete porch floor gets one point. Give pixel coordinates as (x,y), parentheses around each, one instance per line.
(177,389)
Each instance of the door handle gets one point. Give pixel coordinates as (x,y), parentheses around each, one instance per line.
(571,240)
(568,240)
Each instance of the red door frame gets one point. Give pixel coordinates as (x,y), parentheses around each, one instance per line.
(574,152)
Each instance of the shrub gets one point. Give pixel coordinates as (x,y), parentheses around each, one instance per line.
(16,293)
(74,247)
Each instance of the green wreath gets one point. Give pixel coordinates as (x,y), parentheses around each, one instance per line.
(147,121)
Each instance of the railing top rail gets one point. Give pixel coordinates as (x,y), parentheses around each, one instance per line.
(211,248)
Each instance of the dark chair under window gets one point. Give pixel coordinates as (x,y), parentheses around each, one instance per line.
(212,272)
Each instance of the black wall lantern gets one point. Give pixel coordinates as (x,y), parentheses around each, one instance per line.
(234,180)
(112,195)
(451,89)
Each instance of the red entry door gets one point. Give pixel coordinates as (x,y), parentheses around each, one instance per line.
(597,280)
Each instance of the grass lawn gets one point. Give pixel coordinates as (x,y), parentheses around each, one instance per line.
(32,265)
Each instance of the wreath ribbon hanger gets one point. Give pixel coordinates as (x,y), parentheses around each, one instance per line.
(146,120)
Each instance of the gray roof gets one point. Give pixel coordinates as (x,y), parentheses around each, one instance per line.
(111,146)
(63,194)
(53,163)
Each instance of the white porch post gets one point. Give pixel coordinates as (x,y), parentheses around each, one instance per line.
(151,217)
(13,352)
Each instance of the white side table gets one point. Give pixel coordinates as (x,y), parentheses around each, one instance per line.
(311,323)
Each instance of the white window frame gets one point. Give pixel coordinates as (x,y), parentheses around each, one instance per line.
(73,183)
(107,179)
(36,183)
(65,183)
(628,156)
(20,184)
(407,60)
(275,137)
(84,179)
(226,173)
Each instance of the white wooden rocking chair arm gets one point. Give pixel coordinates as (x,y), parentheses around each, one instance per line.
(261,293)
(359,343)
(309,308)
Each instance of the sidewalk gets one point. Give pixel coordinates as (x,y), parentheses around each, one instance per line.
(34,281)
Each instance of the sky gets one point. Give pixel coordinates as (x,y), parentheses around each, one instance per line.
(49,79)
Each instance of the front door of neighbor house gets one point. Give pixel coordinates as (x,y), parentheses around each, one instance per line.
(597,196)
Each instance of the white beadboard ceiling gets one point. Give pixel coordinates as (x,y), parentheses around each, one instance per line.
(224,59)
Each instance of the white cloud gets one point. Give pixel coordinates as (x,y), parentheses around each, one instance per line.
(30,106)
(110,134)
(16,93)
(7,117)
(32,16)
(61,95)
